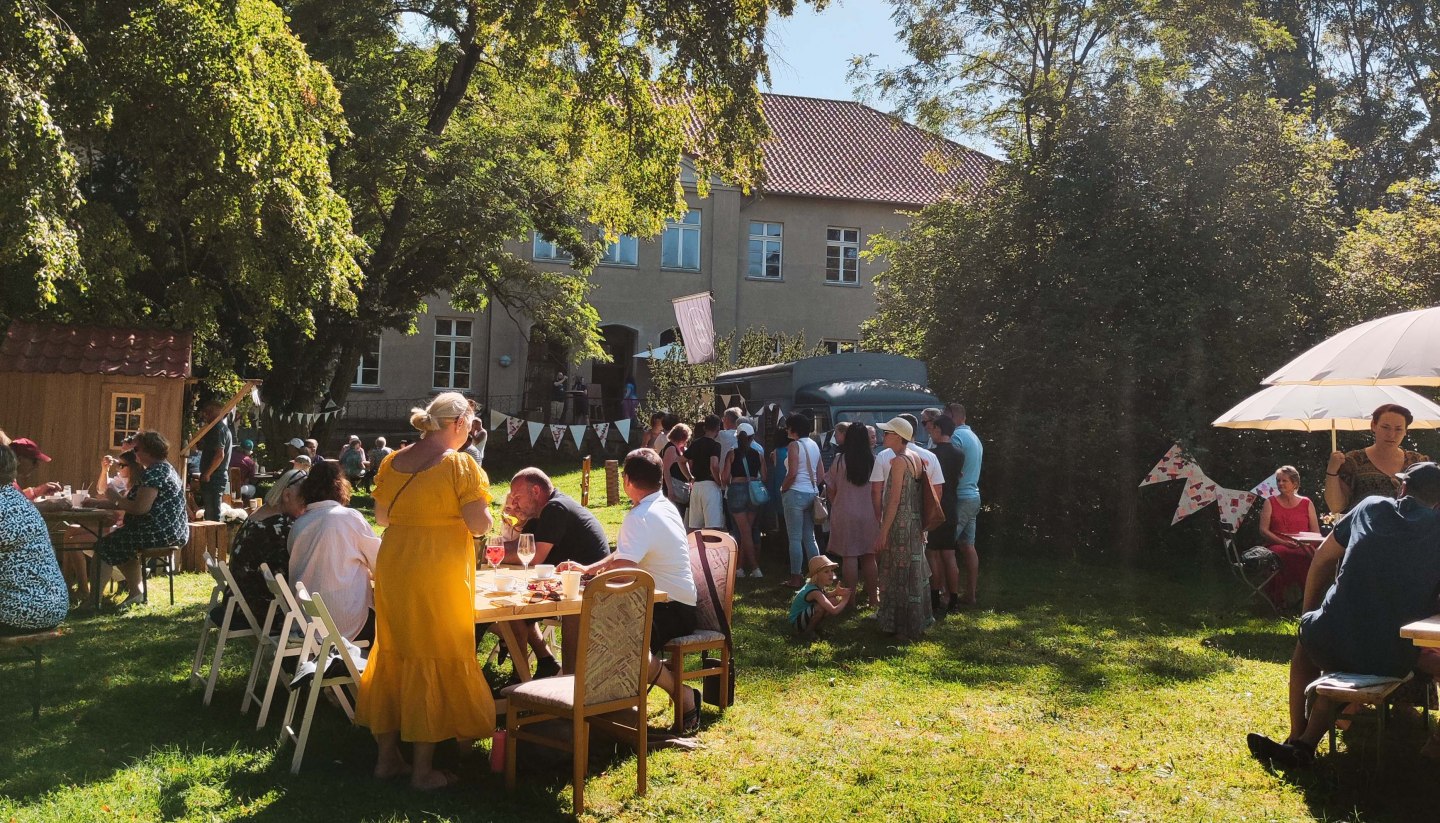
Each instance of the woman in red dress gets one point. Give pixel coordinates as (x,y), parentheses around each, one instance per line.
(1281,518)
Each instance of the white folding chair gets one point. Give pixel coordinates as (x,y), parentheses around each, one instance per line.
(225,630)
(290,640)
(327,642)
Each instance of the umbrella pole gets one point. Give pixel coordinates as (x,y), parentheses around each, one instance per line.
(1333,447)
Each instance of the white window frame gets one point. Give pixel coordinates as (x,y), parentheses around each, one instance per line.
(445,347)
(766,241)
(839,246)
(361,367)
(133,414)
(615,252)
(686,232)
(837,346)
(542,249)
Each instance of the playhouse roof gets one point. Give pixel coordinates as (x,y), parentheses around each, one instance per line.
(35,348)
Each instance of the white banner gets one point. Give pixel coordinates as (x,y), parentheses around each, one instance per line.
(602,430)
(1169,467)
(496,420)
(697,329)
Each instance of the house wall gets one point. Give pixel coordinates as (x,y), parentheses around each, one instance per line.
(69,416)
(638,298)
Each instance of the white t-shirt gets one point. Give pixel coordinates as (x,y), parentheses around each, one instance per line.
(653,538)
(806,467)
(728,439)
(332,551)
(927,458)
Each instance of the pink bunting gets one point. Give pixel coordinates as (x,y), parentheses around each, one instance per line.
(513,426)
(1200,491)
(1171,467)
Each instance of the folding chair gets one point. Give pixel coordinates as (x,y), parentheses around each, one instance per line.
(225,629)
(1255,569)
(287,641)
(713,557)
(330,648)
(609,685)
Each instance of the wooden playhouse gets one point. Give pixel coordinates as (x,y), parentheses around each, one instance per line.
(79,391)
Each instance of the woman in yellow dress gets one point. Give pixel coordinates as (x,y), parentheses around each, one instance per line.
(422,683)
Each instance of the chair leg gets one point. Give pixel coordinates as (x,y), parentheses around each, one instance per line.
(260,645)
(270,689)
(289,718)
(512,744)
(200,648)
(144,584)
(724,679)
(39,656)
(642,748)
(677,669)
(170,573)
(215,665)
(581,763)
(304,736)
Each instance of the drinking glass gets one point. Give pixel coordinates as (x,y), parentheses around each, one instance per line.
(494,551)
(526,550)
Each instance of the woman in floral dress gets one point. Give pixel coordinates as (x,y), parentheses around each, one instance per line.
(900,549)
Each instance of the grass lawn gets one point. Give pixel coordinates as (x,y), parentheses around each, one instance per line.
(1077,693)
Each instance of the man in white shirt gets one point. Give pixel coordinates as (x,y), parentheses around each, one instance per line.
(332,551)
(652,538)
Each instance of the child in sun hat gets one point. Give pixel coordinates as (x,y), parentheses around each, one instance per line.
(812,604)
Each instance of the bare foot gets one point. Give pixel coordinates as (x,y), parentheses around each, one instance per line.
(434,779)
(386,771)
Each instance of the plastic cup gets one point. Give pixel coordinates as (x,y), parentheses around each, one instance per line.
(570,584)
(77,499)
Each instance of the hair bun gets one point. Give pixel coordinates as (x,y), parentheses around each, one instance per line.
(422,421)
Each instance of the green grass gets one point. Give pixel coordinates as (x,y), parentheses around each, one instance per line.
(1078,693)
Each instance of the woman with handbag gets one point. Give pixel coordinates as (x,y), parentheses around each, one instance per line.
(855,512)
(904,575)
(804,476)
(745,492)
(675,468)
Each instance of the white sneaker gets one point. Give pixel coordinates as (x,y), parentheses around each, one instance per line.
(757,573)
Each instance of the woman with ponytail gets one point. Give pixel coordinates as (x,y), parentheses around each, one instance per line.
(422,683)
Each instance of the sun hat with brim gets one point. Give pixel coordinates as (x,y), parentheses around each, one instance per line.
(1421,476)
(900,426)
(819,563)
(25,447)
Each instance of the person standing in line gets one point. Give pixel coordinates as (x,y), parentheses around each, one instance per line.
(928,417)
(377,456)
(743,466)
(967,507)
(654,437)
(215,449)
(804,477)
(940,543)
(904,575)
(706,507)
(855,511)
(422,683)
(557,398)
(353,461)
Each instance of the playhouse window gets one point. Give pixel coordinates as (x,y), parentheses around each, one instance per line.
(127,417)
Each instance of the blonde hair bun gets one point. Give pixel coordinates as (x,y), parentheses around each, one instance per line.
(446,406)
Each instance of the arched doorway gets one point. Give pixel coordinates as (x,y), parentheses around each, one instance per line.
(619,343)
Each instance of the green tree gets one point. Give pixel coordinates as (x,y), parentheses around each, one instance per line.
(1094,309)
(1387,262)
(676,385)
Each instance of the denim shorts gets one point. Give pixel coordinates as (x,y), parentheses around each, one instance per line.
(737,497)
(965,514)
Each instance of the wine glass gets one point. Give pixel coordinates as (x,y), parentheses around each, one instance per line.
(494,551)
(526,550)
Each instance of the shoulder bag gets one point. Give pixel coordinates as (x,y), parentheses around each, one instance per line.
(759,494)
(679,489)
(932,511)
(818,510)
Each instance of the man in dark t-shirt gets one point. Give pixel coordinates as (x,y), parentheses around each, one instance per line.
(215,448)
(1384,559)
(706,501)
(564,530)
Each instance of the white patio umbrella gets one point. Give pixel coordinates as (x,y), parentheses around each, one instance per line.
(657,353)
(1317,408)
(1398,350)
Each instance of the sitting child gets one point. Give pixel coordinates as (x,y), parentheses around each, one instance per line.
(812,604)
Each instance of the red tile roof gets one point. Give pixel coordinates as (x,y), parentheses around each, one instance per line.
(836,148)
(48,348)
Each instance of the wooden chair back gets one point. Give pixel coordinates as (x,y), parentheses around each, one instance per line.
(614,652)
(718,550)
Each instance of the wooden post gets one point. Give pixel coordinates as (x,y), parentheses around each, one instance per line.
(585,481)
(612,482)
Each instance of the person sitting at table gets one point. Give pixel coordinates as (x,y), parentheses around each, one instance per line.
(154,508)
(1378,570)
(299,467)
(1283,516)
(564,531)
(332,551)
(652,538)
(33,594)
(127,470)
(263,538)
(243,469)
(1353,476)
(28,458)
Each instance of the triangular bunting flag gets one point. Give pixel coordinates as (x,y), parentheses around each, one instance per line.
(512,427)
(534,432)
(623,426)
(1200,491)
(1233,505)
(497,420)
(1266,488)
(557,431)
(601,431)
(1168,468)
(578,432)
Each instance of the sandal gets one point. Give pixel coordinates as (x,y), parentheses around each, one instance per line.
(691,724)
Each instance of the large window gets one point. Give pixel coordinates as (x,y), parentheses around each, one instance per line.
(623,252)
(765,242)
(367,371)
(547,250)
(127,417)
(452,353)
(680,244)
(842,255)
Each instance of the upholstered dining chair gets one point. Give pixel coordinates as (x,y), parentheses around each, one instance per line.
(609,685)
(713,606)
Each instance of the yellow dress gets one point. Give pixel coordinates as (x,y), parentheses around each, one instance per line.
(423,679)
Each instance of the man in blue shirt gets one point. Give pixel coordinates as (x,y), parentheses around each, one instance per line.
(967,506)
(215,449)
(1388,556)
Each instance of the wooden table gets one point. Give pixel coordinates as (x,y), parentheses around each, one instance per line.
(94,521)
(1311,539)
(1423,633)
(504,610)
